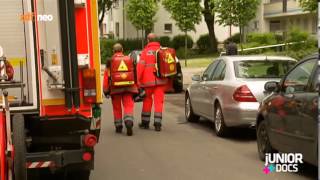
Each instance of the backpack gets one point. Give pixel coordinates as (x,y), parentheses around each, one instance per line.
(122,71)
(166,62)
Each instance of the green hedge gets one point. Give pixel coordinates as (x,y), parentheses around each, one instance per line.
(234,38)
(204,44)
(262,38)
(165,41)
(179,41)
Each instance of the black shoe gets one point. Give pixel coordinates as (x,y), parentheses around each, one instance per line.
(144,124)
(129,126)
(119,129)
(157,126)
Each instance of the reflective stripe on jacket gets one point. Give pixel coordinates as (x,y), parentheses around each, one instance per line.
(146,67)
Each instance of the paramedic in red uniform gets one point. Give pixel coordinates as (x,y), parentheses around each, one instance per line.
(154,86)
(120,96)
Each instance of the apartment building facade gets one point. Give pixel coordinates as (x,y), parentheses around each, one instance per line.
(280,15)
(117,25)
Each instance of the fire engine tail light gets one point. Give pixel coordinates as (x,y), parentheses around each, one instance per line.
(90,140)
(243,94)
(87,156)
(89,86)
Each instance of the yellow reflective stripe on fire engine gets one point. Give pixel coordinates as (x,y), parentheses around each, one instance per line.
(51,102)
(15,62)
(124,83)
(122,67)
(96,48)
(10,99)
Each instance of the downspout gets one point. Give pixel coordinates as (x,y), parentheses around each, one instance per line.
(123,19)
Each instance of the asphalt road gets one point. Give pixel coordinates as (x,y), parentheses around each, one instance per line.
(181,151)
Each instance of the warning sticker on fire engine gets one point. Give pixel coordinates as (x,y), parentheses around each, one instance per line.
(169,58)
(122,67)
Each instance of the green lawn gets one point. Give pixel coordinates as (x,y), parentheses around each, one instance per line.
(197,62)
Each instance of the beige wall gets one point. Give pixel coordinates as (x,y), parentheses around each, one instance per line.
(294,17)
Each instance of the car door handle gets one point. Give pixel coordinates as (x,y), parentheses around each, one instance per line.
(290,96)
(205,87)
(215,87)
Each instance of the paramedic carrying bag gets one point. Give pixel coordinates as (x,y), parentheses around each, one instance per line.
(166,62)
(122,71)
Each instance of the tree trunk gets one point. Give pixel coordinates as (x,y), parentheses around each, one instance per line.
(185,48)
(209,19)
(142,38)
(241,38)
(103,12)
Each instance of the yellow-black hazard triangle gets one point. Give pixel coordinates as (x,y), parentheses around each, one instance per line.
(169,58)
(122,67)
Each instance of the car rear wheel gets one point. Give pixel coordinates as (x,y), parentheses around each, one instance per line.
(190,116)
(219,125)
(264,145)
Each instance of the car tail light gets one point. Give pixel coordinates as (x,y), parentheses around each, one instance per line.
(89,140)
(87,156)
(243,94)
(89,86)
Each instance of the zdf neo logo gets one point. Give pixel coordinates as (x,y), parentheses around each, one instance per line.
(36,17)
(282,162)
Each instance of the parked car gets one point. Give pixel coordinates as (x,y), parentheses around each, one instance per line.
(287,119)
(175,83)
(230,90)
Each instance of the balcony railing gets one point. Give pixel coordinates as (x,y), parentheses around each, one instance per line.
(276,8)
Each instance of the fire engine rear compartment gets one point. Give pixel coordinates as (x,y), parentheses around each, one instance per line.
(58,121)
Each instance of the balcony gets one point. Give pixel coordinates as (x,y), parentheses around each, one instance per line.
(275,8)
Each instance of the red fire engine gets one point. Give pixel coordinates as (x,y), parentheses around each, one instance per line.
(51,116)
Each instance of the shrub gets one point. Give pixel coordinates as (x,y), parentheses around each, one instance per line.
(107,44)
(303,39)
(234,38)
(262,38)
(165,41)
(106,48)
(204,43)
(130,44)
(178,41)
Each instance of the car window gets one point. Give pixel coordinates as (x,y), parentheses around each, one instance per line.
(297,80)
(262,69)
(208,72)
(220,71)
(316,83)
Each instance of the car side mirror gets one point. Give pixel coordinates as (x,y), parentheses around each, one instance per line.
(196,77)
(271,86)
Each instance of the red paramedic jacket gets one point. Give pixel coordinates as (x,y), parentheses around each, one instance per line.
(146,67)
(107,87)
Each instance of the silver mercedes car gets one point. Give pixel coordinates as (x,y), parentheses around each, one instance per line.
(231,88)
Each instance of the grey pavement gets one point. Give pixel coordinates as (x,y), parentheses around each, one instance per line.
(182,151)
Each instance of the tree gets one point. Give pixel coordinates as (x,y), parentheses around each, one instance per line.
(309,5)
(236,13)
(186,13)
(103,6)
(141,14)
(209,18)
